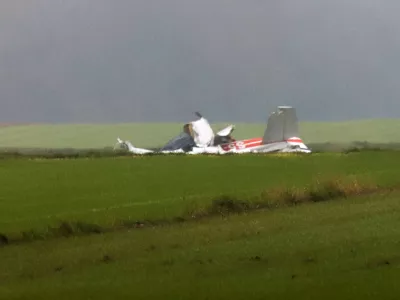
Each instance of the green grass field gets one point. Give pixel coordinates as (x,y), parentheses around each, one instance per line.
(38,192)
(338,249)
(156,134)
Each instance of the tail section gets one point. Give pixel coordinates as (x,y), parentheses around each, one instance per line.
(281,135)
(283,131)
(282,125)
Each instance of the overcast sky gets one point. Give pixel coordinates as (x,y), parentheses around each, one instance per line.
(234,60)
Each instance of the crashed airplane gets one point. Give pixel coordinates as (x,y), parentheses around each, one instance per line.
(197,137)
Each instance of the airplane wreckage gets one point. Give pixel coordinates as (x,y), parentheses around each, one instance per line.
(197,137)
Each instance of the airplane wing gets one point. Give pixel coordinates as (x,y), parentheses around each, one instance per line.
(226,131)
(203,134)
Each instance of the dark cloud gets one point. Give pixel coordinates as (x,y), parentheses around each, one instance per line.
(234,60)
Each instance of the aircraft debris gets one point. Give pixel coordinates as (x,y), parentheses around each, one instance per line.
(197,137)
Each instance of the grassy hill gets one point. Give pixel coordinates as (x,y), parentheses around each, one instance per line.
(156,134)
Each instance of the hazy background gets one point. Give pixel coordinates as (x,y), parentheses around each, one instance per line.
(234,60)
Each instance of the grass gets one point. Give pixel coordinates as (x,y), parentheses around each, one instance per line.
(156,134)
(40,192)
(220,206)
(336,249)
(272,198)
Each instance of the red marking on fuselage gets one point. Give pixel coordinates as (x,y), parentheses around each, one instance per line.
(251,143)
(295,140)
(243,144)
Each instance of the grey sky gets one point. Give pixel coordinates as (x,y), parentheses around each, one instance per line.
(234,60)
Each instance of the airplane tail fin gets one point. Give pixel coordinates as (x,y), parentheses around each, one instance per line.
(282,125)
